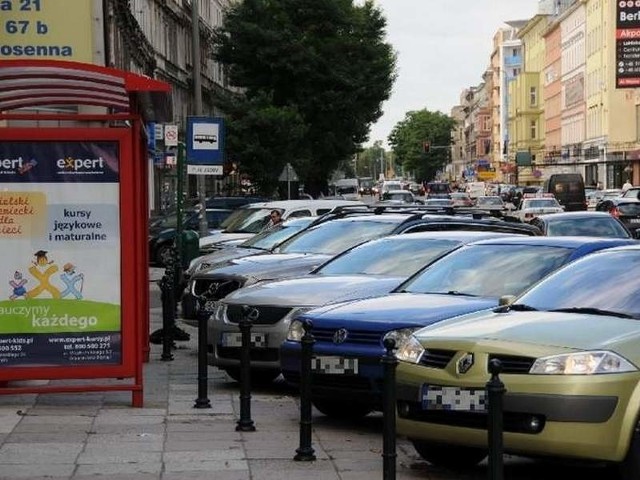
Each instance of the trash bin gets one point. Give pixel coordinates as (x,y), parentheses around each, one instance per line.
(190,247)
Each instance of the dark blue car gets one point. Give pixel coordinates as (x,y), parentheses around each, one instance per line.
(346,369)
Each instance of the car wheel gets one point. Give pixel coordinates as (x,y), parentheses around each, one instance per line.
(454,457)
(630,467)
(258,377)
(340,409)
(163,254)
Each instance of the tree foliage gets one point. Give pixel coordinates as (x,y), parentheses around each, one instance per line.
(371,160)
(408,137)
(311,76)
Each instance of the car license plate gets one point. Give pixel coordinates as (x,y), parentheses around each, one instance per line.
(335,365)
(435,397)
(234,339)
(634,220)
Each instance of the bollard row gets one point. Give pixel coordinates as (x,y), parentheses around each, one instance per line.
(494,387)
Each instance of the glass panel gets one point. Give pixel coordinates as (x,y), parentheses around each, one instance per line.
(397,256)
(489,270)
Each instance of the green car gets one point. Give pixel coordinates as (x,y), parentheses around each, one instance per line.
(570,355)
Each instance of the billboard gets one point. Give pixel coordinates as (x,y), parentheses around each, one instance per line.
(60,303)
(627,44)
(46,30)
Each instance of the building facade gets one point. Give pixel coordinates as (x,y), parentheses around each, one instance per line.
(155,38)
(556,100)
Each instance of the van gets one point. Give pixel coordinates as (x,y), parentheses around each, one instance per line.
(348,188)
(437,189)
(568,188)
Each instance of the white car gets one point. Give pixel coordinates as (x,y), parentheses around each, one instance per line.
(250,219)
(536,205)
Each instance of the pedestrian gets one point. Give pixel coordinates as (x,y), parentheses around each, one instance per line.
(275,217)
(627,185)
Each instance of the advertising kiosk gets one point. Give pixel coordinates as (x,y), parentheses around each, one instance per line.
(74,309)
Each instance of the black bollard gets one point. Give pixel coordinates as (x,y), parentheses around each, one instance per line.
(245,424)
(495,393)
(168,298)
(305,452)
(203,368)
(389,455)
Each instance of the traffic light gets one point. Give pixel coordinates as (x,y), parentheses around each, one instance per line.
(426,146)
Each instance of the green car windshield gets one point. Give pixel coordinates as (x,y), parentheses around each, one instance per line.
(607,281)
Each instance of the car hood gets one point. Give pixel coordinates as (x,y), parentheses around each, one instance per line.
(314,290)
(399,309)
(573,331)
(222,236)
(222,256)
(268,266)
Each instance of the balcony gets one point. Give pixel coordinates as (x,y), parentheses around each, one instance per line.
(513,60)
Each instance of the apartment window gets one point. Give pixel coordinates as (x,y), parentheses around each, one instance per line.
(533,96)
(533,128)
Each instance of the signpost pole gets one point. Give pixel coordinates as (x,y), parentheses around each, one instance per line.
(197,92)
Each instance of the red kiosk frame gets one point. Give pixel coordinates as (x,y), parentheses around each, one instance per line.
(131,100)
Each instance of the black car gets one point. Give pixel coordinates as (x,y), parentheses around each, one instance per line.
(162,232)
(591,224)
(626,209)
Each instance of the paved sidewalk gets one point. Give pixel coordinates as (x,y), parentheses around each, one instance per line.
(98,435)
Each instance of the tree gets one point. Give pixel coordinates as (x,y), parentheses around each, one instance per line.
(408,138)
(311,77)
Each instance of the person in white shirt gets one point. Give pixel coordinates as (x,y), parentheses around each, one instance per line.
(627,185)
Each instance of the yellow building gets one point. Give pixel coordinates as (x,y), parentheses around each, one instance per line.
(612,113)
(526,104)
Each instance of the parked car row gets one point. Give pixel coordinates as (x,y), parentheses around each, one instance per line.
(554,299)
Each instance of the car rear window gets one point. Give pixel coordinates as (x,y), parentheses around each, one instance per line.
(438,188)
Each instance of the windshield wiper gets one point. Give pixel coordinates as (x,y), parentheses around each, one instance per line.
(521,307)
(592,311)
(460,294)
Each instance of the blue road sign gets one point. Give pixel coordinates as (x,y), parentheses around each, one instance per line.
(205,141)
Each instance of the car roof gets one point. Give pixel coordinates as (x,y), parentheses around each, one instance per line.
(581,214)
(387,218)
(289,204)
(457,235)
(563,242)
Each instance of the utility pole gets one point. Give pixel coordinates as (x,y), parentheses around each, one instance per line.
(197,97)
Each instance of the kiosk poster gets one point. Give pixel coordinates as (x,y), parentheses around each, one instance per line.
(60,303)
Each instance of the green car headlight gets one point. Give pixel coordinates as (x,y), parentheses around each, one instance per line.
(410,350)
(582,363)
(400,336)
(296,331)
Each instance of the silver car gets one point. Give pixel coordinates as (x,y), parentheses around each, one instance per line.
(371,269)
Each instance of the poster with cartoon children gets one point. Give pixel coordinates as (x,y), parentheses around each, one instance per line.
(61,268)
(43,272)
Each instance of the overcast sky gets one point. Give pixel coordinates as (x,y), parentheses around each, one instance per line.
(443,47)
